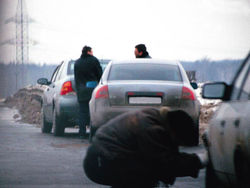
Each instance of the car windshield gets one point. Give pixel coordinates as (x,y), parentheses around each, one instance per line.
(145,71)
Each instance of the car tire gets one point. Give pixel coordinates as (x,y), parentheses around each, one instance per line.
(46,127)
(197,138)
(58,127)
(242,169)
(211,181)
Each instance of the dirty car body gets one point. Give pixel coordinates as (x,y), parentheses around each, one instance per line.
(130,85)
(228,135)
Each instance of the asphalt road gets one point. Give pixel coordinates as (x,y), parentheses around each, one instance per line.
(29,158)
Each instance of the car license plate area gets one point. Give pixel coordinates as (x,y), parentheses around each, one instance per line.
(145,100)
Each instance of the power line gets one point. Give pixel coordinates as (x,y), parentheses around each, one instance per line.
(21,40)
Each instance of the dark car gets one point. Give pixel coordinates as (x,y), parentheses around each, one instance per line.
(228,135)
(59,105)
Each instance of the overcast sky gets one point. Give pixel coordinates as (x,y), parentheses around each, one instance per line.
(171,29)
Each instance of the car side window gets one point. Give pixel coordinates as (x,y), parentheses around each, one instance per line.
(53,78)
(239,80)
(60,72)
(245,93)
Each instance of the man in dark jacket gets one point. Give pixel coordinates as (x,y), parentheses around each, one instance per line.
(138,149)
(87,68)
(141,51)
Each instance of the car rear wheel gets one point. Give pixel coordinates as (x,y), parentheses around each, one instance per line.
(46,127)
(58,127)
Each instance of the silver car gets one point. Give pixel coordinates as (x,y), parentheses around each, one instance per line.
(59,105)
(228,135)
(130,85)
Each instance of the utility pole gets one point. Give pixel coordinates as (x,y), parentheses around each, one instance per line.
(21,42)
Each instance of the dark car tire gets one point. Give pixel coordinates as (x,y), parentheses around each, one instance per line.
(46,127)
(211,181)
(197,138)
(58,127)
(242,169)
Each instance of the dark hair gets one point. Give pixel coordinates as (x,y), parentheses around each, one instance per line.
(85,50)
(141,48)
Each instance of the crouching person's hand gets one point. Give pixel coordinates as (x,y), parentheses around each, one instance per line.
(203,159)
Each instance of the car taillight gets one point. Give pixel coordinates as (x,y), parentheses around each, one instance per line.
(102,92)
(66,88)
(187,94)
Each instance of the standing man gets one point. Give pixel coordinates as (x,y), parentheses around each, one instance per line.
(138,149)
(87,70)
(141,51)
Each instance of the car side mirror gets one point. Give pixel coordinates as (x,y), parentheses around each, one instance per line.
(214,90)
(194,85)
(43,81)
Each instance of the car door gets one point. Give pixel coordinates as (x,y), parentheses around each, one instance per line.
(48,95)
(230,126)
(242,155)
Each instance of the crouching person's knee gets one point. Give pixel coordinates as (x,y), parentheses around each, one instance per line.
(93,168)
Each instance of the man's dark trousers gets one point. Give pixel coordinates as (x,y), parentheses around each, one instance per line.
(84,117)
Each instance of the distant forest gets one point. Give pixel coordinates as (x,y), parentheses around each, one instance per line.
(12,79)
(207,70)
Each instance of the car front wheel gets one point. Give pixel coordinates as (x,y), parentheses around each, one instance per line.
(242,169)
(46,127)
(58,127)
(211,180)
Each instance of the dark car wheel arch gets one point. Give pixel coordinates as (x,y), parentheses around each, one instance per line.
(211,181)
(242,168)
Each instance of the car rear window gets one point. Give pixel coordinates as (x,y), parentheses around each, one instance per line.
(71,67)
(72,64)
(145,71)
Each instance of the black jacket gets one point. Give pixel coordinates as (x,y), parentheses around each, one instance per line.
(145,55)
(143,135)
(86,69)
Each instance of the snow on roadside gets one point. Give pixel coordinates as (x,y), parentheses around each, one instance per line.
(28,102)
(208,107)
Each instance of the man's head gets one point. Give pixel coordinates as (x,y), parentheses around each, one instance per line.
(87,50)
(140,51)
(181,125)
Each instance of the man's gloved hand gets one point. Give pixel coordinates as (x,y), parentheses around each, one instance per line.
(203,158)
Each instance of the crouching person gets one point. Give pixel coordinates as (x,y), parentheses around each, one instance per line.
(139,149)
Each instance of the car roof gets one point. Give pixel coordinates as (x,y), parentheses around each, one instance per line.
(145,60)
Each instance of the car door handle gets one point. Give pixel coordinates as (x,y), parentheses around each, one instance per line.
(237,123)
(222,123)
